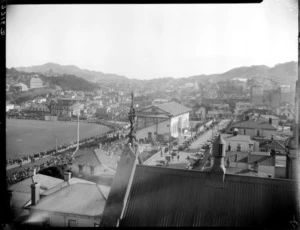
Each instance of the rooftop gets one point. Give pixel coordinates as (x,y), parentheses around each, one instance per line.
(173,108)
(231,137)
(80,198)
(173,197)
(254,125)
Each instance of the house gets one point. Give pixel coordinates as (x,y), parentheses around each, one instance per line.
(85,162)
(255,129)
(20,87)
(273,120)
(73,203)
(21,192)
(9,107)
(260,164)
(35,82)
(217,114)
(143,195)
(241,143)
(241,107)
(164,120)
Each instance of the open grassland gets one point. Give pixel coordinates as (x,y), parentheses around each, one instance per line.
(25,137)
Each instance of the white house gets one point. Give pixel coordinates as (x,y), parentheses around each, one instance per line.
(255,129)
(162,121)
(73,203)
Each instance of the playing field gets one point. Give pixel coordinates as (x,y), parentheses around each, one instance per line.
(25,137)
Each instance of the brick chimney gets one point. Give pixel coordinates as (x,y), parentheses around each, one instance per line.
(67,176)
(217,171)
(35,193)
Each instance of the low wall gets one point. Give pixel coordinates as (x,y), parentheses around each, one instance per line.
(156,156)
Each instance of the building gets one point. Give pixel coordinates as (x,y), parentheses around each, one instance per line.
(21,192)
(257,164)
(35,82)
(272,98)
(73,203)
(286,94)
(162,121)
(9,107)
(255,129)
(20,87)
(143,195)
(240,143)
(65,107)
(257,95)
(273,120)
(241,107)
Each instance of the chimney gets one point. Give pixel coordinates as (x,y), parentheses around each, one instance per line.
(255,167)
(35,193)
(217,171)
(67,176)
(270,121)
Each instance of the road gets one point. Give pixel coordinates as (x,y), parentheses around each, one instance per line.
(195,147)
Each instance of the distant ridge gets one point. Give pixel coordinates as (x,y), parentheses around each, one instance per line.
(92,76)
(283,73)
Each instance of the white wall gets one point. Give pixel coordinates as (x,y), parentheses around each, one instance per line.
(179,122)
(162,128)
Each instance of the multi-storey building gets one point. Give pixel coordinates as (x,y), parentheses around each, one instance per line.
(36,82)
(65,107)
(164,120)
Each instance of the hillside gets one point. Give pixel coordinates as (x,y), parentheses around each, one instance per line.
(284,73)
(92,76)
(66,82)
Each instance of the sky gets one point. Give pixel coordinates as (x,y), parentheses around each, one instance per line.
(153,41)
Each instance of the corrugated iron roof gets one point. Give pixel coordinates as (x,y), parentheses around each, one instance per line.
(173,108)
(173,197)
(80,198)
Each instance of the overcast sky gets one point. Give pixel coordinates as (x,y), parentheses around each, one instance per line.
(151,41)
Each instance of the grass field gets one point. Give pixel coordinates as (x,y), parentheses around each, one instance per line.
(25,137)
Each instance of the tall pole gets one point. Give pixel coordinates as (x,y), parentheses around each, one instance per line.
(77,132)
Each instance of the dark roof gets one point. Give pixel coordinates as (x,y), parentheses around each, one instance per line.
(173,108)
(254,125)
(261,160)
(86,156)
(173,197)
(269,144)
(121,182)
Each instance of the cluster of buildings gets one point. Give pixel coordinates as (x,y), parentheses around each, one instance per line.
(271,98)
(34,83)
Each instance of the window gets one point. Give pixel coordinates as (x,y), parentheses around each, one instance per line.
(72,223)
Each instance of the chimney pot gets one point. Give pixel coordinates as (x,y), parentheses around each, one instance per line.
(35,193)
(32,172)
(67,176)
